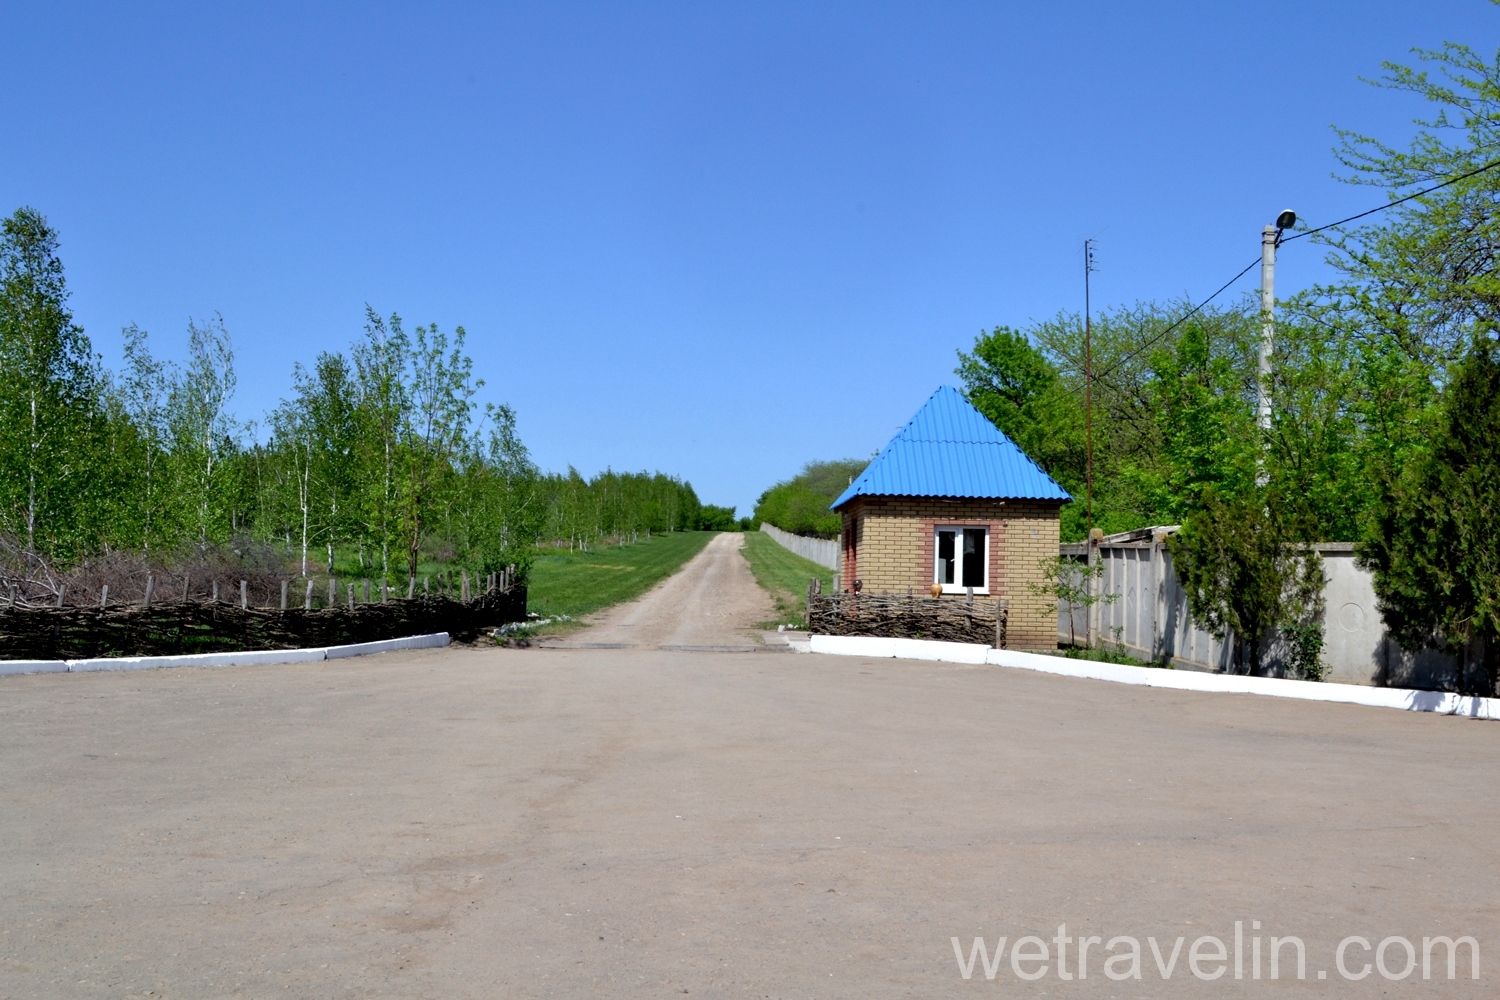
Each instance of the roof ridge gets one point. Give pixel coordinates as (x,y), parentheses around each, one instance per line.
(949,448)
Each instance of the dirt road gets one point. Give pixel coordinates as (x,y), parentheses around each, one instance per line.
(639,823)
(712,601)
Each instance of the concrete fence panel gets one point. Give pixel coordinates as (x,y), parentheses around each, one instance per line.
(823,551)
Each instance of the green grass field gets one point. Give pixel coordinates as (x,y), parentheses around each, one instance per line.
(784,576)
(575,583)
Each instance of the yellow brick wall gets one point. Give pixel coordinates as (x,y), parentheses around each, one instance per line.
(888,548)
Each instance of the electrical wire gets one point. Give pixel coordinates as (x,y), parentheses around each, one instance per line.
(1392,204)
(1190,314)
(1308,232)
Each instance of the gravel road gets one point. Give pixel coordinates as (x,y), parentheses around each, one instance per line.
(712,601)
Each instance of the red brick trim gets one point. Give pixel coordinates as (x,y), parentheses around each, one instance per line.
(997,549)
(924,562)
(997,559)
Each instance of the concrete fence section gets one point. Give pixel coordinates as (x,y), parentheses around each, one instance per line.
(823,551)
(1147,614)
(240,659)
(1440,702)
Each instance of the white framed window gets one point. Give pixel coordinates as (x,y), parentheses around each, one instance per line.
(961,559)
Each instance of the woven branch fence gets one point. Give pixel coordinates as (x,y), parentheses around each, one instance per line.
(891,616)
(166,629)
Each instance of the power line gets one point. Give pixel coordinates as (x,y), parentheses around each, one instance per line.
(1191,313)
(1199,307)
(1392,204)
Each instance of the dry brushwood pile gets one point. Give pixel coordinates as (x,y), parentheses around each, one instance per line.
(891,616)
(174,627)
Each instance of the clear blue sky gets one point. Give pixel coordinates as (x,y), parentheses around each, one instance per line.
(713,240)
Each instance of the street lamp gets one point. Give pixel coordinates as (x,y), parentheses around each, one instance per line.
(1270,239)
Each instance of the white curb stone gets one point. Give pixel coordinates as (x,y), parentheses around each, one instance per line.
(1445,703)
(33,667)
(241,659)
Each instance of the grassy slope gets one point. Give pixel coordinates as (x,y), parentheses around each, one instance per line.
(579,582)
(783,575)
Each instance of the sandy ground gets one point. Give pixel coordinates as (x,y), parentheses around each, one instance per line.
(712,601)
(647,823)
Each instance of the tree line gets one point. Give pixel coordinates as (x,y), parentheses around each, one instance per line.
(379,458)
(1386,405)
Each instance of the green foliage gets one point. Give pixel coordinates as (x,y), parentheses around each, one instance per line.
(1244,572)
(1068,581)
(576,583)
(1204,394)
(800,504)
(1433,546)
(378,460)
(784,575)
(1031,384)
(712,518)
(52,422)
(1419,295)
(1017,387)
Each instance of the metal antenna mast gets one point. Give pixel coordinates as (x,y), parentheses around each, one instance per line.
(1088,389)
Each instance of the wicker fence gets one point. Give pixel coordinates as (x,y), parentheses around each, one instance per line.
(174,627)
(892,616)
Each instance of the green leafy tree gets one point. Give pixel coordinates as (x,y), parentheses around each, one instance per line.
(50,417)
(1434,548)
(143,390)
(1022,392)
(204,433)
(800,504)
(380,362)
(1246,574)
(441,389)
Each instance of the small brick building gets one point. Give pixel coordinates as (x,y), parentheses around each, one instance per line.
(952,501)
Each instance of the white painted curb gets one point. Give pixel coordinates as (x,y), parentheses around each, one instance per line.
(242,659)
(1441,702)
(387,645)
(905,649)
(33,667)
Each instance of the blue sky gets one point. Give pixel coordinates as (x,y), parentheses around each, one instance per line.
(710,239)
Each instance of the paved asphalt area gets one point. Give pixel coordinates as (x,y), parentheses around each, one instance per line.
(649,823)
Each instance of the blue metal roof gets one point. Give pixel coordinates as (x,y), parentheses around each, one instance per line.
(950,449)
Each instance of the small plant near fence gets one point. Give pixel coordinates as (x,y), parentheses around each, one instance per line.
(892,616)
(1075,584)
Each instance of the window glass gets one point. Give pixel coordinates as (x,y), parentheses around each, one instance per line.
(945,547)
(973,572)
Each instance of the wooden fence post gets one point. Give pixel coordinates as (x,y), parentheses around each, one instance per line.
(150,586)
(411,587)
(104,596)
(464,587)
(367,590)
(61,590)
(1000,623)
(307,600)
(244,597)
(385,589)
(12,588)
(351,597)
(285,586)
(333,593)
(216,592)
(185,581)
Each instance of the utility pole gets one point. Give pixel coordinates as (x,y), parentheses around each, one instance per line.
(1269,237)
(1088,390)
